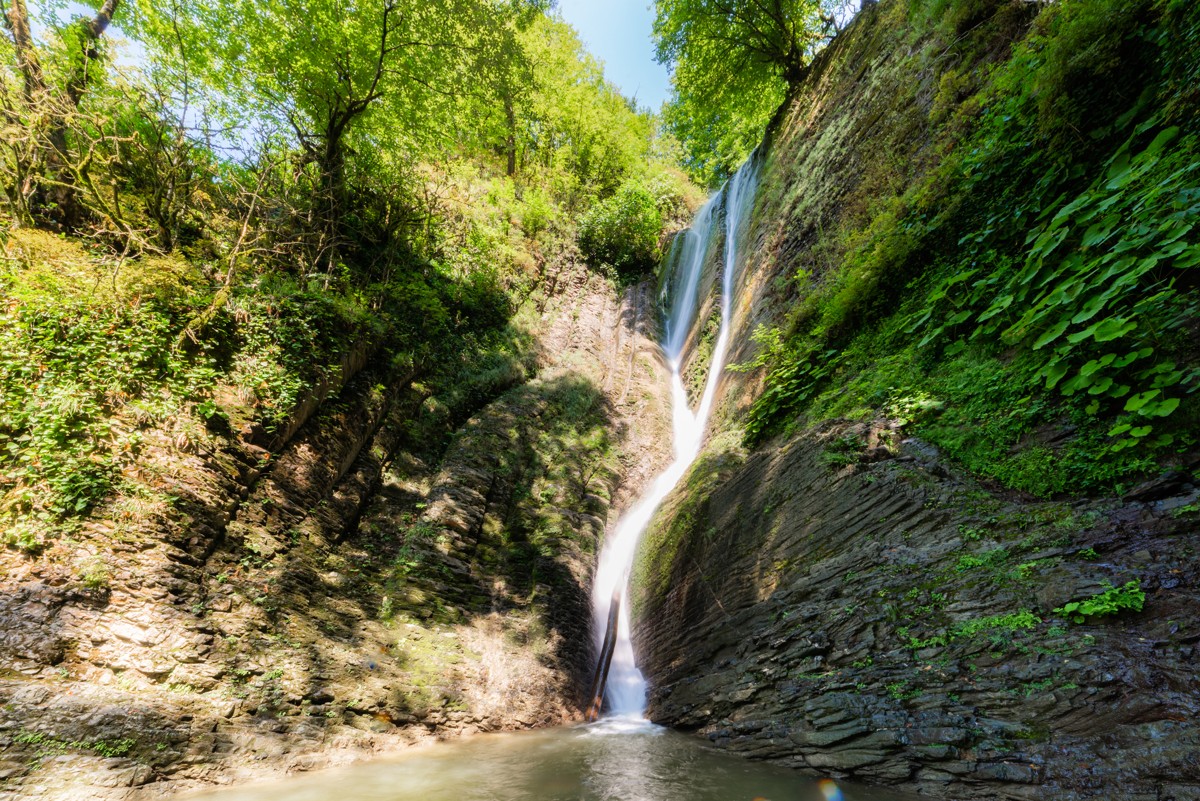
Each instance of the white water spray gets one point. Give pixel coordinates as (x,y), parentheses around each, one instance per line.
(626,689)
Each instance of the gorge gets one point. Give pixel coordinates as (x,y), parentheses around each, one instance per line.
(886,446)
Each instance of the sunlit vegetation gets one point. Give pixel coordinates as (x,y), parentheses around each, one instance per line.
(733,65)
(202,228)
(1030,298)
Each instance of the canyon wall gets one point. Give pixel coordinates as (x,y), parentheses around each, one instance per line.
(340,591)
(845,598)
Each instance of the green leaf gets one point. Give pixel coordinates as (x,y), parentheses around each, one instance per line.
(1096,234)
(1119,267)
(1161,409)
(1128,359)
(1051,334)
(1141,431)
(1175,232)
(1000,305)
(1190,259)
(917,321)
(1113,327)
(1171,250)
(1075,384)
(930,337)
(1162,140)
(1167,380)
(959,278)
(1047,243)
(1066,211)
(1090,309)
(1120,172)
(1096,364)
(1141,399)
(1054,373)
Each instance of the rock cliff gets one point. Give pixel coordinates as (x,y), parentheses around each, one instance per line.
(338,590)
(882,620)
(848,599)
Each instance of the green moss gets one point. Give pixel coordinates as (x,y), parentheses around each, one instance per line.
(696,374)
(680,527)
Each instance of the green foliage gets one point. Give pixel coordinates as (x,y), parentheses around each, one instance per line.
(623,231)
(720,132)
(95,574)
(987,559)
(996,627)
(1090,55)
(733,62)
(793,382)
(1038,291)
(419,537)
(65,365)
(47,745)
(1112,601)
(900,691)
(843,451)
(1097,289)
(337,201)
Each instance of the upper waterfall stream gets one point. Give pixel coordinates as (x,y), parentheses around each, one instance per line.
(626,689)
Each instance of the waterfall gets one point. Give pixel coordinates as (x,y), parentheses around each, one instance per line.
(626,688)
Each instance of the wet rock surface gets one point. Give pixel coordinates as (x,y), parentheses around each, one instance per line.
(874,617)
(301,601)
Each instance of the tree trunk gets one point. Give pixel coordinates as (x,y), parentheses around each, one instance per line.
(27,59)
(332,164)
(55,199)
(510,143)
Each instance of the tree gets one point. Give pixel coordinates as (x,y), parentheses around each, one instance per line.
(622,231)
(49,182)
(734,62)
(577,123)
(337,75)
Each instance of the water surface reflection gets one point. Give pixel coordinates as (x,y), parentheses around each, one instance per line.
(614,760)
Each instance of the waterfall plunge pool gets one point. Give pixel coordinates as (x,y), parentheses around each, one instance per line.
(617,759)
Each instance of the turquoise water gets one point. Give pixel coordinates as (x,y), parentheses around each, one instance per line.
(613,760)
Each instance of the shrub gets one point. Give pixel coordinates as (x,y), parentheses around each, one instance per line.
(1112,601)
(622,231)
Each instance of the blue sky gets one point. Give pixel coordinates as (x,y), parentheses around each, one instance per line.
(618,33)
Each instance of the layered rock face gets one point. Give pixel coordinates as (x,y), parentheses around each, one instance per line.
(884,621)
(330,594)
(846,601)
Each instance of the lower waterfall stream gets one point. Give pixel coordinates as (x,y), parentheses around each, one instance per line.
(626,687)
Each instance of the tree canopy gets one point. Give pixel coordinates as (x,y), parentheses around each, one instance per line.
(733,62)
(264,185)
